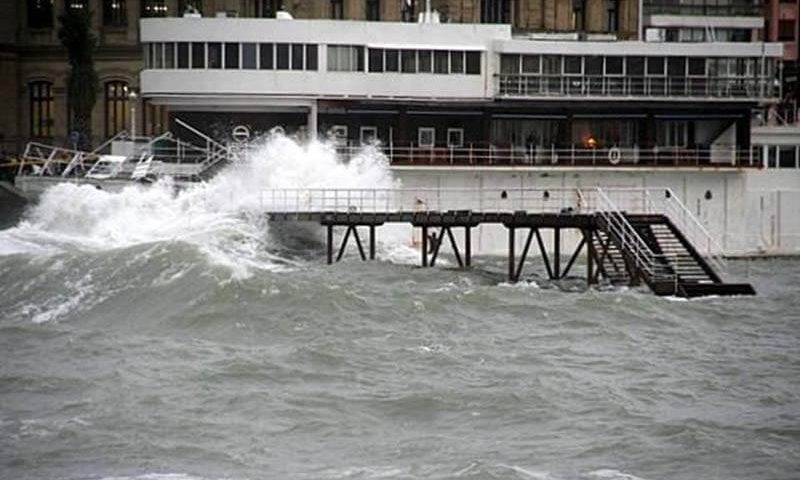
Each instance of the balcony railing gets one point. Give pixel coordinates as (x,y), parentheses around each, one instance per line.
(713,157)
(720,8)
(673,88)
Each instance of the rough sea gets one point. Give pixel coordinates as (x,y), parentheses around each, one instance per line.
(162,335)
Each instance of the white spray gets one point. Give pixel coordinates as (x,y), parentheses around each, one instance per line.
(221,216)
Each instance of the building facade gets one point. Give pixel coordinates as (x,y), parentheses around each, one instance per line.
(35,87)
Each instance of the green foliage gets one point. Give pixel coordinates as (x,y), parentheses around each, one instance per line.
(77,37)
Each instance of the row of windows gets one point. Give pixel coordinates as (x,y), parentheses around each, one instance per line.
(635,66)
(782,156)
(217,55)
(300,56)
(424,61)
(40,96)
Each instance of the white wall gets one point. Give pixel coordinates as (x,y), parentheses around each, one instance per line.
(749,212)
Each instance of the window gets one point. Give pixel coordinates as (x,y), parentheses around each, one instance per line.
(311,57)
(267,54)
(573,65)
(426,137)
(676,66)
(373,10)
(157,56)
(673,133)
(268,8)
(198,55)
(232,55)
(655,66)
(612,19)
(786,157)
(455,137)
(456,62)
(249,56)
(473,63)
(635,66)
(552,64)
(338,133)
(495,11)
(41,108)
(337,9)
(441,60)
(282,54)
(116,107)
(424,61)
(697,67)
(614,65)
(392,60)
(169,55)
(578,15)
(375,60)
(345,58)
(297,56)
(40,13)
(215,55)
(786,30)
(530,64)
(407,11)
(114,13)
(183,55)
(409,60)
(368,135)
(153,8)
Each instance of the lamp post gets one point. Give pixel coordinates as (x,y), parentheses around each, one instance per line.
(132,97)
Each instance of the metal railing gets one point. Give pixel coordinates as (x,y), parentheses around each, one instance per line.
(656,267)
(716,156)
(663,201)
(666,87)
(393,200)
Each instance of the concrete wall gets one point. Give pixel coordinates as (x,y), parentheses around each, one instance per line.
(748,212)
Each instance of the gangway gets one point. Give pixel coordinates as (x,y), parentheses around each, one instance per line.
(654,240)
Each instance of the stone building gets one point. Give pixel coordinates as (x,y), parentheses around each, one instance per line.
(35,64)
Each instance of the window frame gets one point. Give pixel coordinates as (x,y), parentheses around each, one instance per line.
(422,132)
(42,101)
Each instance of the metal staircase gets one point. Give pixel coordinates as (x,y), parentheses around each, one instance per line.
(649,247)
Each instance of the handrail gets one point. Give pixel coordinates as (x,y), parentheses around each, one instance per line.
(630,239)
(689,223)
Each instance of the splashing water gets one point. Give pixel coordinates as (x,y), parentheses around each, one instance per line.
(222,217)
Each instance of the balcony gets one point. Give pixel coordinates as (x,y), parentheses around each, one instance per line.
(742,88)
(714,8)
(717,157)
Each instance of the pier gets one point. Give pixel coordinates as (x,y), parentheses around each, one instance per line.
(627,236)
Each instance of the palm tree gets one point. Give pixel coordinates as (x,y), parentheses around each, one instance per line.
(79,40)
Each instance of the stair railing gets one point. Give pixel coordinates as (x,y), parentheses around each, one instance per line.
(697,234)
(630,240)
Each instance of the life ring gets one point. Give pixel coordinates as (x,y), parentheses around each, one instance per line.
(614,155)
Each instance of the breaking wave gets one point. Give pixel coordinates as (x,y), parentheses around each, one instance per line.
(222,217)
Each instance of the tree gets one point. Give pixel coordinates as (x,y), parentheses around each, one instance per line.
(77,37)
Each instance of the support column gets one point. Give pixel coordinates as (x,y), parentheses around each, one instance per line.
(424,246)
(511,255)
(330,244)
(312,120)
(557,253)
(587,235)
(372,242)
(467,247)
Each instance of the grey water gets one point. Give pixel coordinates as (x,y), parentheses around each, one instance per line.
(153,362)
